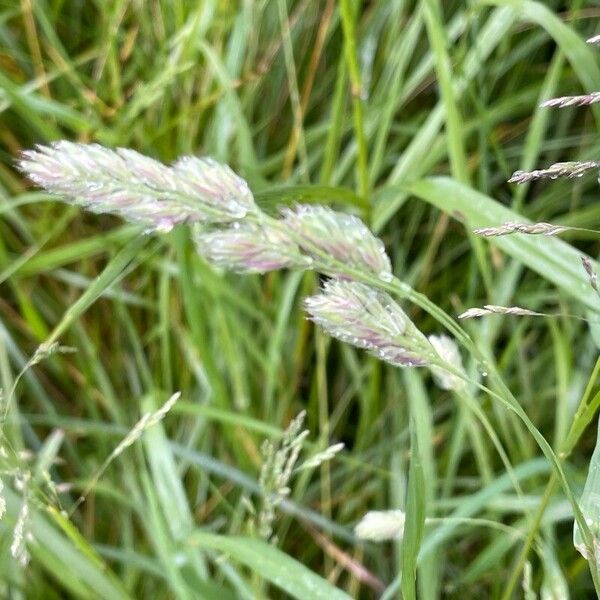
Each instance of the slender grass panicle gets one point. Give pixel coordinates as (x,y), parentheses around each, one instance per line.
(22,532)
(147,420)
(565,101)
(529,228)
(359,315)
(138,188)
(279,460)
(561,169)
(586,527)
(493,309)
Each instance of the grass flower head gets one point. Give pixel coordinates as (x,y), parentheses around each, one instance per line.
(137,188)
(324,232)
(369,319)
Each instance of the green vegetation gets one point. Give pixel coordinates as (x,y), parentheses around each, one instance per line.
(412,115)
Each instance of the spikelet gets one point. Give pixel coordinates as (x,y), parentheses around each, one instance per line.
(250,248)
(321,457)
(369,319)
(321,231)
(216,183)
(138,188)
(589,270)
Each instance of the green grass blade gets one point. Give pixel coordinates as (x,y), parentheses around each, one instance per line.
(273,565)
(553,259)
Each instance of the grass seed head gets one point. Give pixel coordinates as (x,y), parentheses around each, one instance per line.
(322,232)
(493,309)
(279,460)
(529,228)
(565,101)
(364,317)
(250,248)
(137,188)
(561,169)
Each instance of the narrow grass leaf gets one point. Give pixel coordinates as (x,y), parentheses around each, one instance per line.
(416,511)
(273,565)
(553,259)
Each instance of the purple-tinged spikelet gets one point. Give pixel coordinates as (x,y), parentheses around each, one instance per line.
(530,228)
(207,178)
(321,231)
(367,318)
(138,188)
(566,101)
(493,309)
(250,248)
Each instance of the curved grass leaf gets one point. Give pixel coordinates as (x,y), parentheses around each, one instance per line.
(554,259)
(272,564)
(320,194)
(583,58)
(415,517)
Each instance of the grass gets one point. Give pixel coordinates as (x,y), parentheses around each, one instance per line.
(414,114)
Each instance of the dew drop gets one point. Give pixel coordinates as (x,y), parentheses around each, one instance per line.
(386,276)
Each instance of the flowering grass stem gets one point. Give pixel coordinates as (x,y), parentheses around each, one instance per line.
(329,250)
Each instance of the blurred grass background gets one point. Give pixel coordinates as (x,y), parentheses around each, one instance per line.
(361,100)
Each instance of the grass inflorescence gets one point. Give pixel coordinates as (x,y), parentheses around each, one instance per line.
(173,428)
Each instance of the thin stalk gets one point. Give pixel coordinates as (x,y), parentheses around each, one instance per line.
(347,14)
(575,432)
